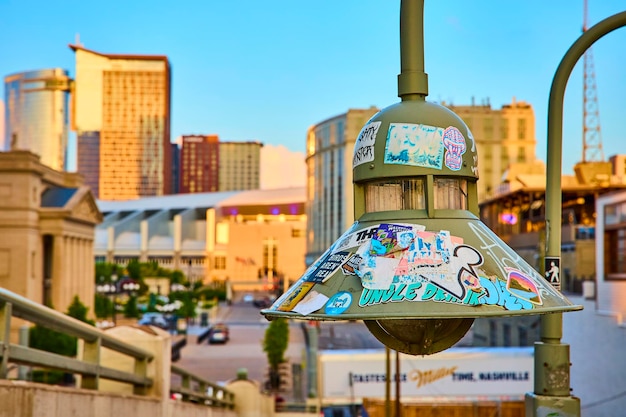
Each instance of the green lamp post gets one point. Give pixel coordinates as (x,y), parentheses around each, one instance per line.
(551,385)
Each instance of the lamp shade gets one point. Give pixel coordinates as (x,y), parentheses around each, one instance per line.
(402,265)
(418,265)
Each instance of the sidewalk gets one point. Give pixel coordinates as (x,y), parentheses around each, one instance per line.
(597,353)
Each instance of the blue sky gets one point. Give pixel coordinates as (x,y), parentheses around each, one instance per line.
(267,70)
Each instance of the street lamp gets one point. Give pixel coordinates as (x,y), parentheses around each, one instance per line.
(551,385)
(418,266)
(109,289)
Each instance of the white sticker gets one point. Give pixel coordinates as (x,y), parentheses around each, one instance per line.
(311,302)
(364,146)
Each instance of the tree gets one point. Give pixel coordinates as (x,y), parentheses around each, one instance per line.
(275,344)
(79,311)
(43,338)
(130,308)
(103,306)
(188,309)
(134,269)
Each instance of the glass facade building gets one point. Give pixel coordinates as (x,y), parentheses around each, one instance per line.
(330,198)
(37,114)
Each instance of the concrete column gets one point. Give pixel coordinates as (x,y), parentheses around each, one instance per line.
(58,278)
(80,267)
(249,402)
(73,269)
(154,340)
(85,280)
(110,244)
(144,234)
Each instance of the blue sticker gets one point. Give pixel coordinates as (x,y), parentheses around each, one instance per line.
(338,303)
(414,144)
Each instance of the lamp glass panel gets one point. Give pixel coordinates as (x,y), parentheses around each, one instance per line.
(450,193)
(395,195)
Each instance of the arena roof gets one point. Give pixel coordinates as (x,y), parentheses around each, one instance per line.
(206,200)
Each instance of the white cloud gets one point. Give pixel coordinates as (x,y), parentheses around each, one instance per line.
(282,168)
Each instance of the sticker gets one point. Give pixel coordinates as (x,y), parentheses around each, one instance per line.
(552,268)
(311,302)
(327,266)
(377,272)
(522,286)
(364,146)
(454,143)
(294,295)
(492,293)
(437,258)
(414,144)
(385,240)
(351,265)
(338,303)
(353,239)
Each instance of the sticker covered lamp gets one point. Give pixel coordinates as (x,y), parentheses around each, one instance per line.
(418,266)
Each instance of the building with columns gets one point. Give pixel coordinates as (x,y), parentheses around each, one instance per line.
(47,227)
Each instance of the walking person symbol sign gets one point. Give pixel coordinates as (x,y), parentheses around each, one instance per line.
(552,274)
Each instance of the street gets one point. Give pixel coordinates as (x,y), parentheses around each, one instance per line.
(220,362)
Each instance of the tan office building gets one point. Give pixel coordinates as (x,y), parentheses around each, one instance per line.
(503,137)
(121,113)
(239,166)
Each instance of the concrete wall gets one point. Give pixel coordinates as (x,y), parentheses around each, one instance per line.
(20,399)
(249,402)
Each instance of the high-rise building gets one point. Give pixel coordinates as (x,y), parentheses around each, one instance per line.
(36,114)
(199,164)
(330,200)
(503,137)
(124,102)
(239,166)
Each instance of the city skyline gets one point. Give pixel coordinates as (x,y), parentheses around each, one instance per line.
(267,72)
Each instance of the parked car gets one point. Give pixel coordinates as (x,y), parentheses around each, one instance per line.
(248,298)
(154,319)
(219,333)
(217,336)
(262,302)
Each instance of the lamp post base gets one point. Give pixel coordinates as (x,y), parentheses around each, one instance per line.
(551,406)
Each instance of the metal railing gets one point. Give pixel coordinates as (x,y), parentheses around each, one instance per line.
(192,388)
(195,389)
(90,367)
